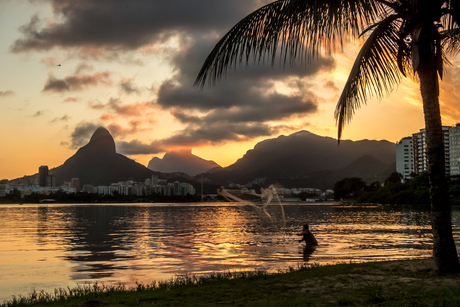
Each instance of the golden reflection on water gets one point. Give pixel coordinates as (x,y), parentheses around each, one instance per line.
(46,247)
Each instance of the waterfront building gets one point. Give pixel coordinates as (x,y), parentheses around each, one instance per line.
(102,190)
(419,146)
(176,187)
(454,142)
(159,186)
(88,188)
(405,157)
(43,176)
(3,187)
(51,182)
(187,188)
(416,161)
(75,183)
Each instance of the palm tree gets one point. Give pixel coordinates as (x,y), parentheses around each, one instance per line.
(403,38)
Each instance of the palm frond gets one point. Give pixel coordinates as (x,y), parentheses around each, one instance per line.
(300,29)
(451,15)
(451,41)
(404,58)
(375,71)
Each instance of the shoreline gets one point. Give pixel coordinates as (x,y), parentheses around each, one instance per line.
(389,283)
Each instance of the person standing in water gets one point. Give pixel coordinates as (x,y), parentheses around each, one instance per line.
(308,237)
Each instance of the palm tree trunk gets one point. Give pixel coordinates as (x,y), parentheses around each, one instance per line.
(444,250)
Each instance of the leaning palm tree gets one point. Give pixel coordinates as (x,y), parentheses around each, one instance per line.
(403,38)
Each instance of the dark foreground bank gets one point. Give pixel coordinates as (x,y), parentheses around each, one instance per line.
(396,283)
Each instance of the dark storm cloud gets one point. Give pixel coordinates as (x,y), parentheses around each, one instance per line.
(238,108)
(240,87)
(125,24)
(136,147)
(218,134)
(240,105)
(274,108)
(82,134)
(183,117)
(76,82)
(215,134)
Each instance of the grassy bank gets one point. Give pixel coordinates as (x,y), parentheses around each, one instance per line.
(396,283)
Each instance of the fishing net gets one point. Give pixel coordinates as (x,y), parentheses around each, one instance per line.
(266,197)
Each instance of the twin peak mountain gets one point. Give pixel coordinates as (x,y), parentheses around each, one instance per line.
(98,163)
(302,159)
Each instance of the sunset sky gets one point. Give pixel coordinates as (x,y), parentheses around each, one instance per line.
(68,67)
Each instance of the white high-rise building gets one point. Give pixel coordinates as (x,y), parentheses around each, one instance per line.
(405,157)
(454,142)
(411,153)
(420,158)
(187,188)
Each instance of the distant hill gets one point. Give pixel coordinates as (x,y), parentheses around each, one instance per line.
(98,163)
(304,159)
(182,161)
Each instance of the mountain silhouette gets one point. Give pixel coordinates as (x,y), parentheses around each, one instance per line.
(304,159)
(366,167)
(181,161)
(98,163)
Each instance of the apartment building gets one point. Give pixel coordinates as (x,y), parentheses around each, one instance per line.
(411,155)
(405,157)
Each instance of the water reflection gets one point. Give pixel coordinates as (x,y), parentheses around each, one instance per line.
(96,247)
(46,247)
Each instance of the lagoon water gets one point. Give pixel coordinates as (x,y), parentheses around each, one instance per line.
(44,247)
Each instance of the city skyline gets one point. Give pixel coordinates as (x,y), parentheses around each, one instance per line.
(71,67)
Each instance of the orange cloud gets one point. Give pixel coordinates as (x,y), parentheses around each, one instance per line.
(135,109)
(118,130)
(98,106)
(91,52)
(116,107)
(106,117)
(49,61)
(70,99)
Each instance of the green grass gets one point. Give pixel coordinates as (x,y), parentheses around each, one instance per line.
(398,283)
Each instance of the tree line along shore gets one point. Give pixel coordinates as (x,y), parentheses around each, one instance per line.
(394,190)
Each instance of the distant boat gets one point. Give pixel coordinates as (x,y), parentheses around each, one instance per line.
(310,200)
